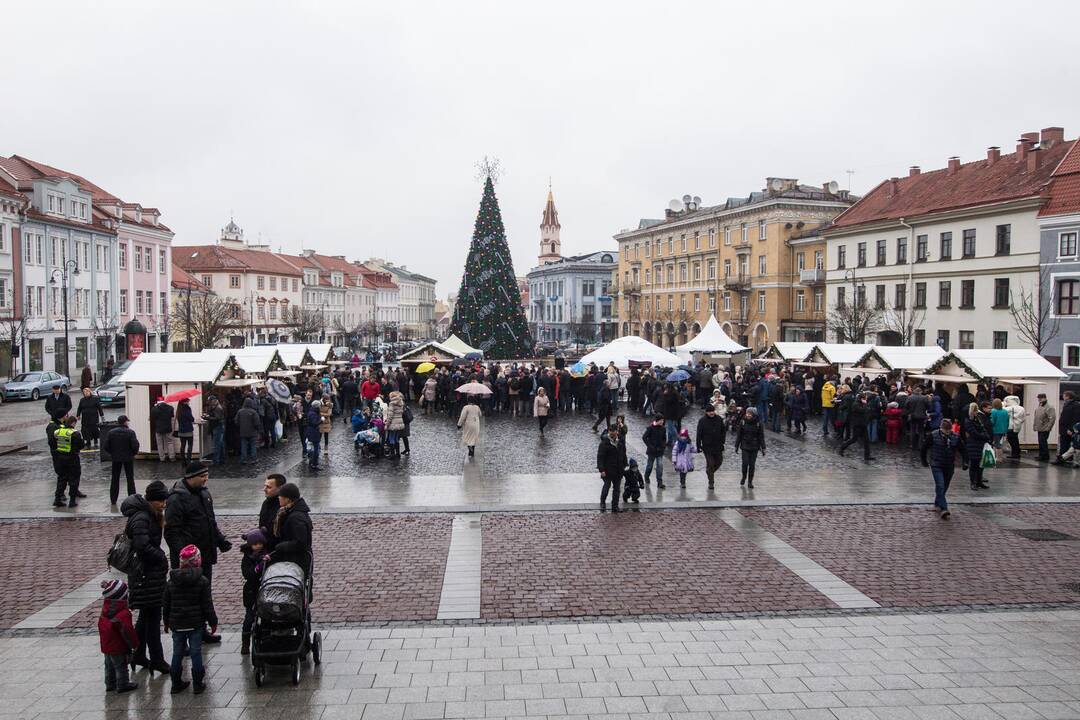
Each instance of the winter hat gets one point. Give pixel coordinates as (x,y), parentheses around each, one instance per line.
(289,491)
(255,537)
(632,462)
(156,491)
(190,557)
(194,469)
(114,589)
(684,433)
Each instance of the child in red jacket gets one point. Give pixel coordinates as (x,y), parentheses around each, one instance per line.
(117,635)
(894,420)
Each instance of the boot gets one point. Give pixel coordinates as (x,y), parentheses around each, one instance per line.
(159,666)
(127,687)
(245,643)
(198,679)
(179,685)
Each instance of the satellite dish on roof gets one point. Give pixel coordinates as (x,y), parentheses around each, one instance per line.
(777,185)
(833,187)
(687,199)
(675,206)
(697,200)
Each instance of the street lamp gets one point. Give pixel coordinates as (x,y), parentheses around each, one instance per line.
(72,267)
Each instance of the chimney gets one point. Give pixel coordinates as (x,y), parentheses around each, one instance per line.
(993,154)
(913,171)
(1052,135)
(954,164)
(1034,157)
(893,186)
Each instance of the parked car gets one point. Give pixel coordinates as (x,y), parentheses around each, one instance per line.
(33,385)
(112,392)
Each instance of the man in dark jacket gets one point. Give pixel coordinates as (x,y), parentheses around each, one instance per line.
(858,418)
(611,462)
(248,426)
(270,506)
(190,520)
(292,529)
(349,391)
(269,414)
(58,404)
(655,439)
(1069,416)
(711,436)
(68,443)
(941,445)
(917,410)
(750,439)
(147,583)
(161,420)
(122,446)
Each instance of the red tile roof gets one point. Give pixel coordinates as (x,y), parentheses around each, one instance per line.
(1071,162)
(376,278)
(1065,187)
(971,184)
(183,280)
(8,190)
(215,258)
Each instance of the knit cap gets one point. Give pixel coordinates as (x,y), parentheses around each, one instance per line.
(114,589)
(190,557)
(255,537)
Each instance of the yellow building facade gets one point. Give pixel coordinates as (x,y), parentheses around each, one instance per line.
(756,263)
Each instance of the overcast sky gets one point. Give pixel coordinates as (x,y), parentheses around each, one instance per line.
(355,127)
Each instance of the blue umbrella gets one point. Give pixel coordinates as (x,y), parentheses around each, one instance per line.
(678,376)
(474,356)
(578,367)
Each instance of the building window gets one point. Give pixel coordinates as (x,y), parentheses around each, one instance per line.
(761,230)
(922,248)
(969,243)
(920,337)
(879,297)
(841,297)
(697,240)
(881,251)
(946,246)
(1070,356)
(727,268)
(670,302)
(712,238)
(139,306)
(800,261)
(711,270)
(648,248)
(1067,245)
(761,266)
(967,294)
(761,301)
(682,273)
(161,261)
(1068,297)
(745,233)
(1001,292)
(860,258)
(260,282)
(1001,340)
(920,296)
(1003,240)
(697,304)
(648,275)
(295,285)
(819,300)
(273,283)
(819,260)
(697,272)
(712,306)
(727,235)
(800,301)
(163,303)
(943,339)
(122,260)
(841,257)
(682,302)
(900,301)
(123,302)
(670,245)
(944,294)
(727,302)
(234,281)
(966,340)
(860,296)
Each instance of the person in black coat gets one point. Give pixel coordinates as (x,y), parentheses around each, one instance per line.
(90,413)
(655,439)
(610,462)
(858,418)
(122,445)
(254,558)
(190,520)
(270,505)
(750,439)
(145,515)
(711,437)
(292,529)
(58,404)
(977,432)
(187,609)
(941,446)
(1069,416)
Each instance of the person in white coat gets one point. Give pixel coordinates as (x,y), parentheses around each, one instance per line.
(1017,415)
(469,422)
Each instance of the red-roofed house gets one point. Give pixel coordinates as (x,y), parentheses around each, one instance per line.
(1059,225)
(943,253)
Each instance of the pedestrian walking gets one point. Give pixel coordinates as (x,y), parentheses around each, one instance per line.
(858,419)
(655,439)
(828,393)
(312,434)
(86,379)
(90,413)
(711,437)
(116,635)
(58,404)
(917,410)
(326,421)
(185,430)
(254,559)
(941,446)
(161,421)
(270,505)
(469,422)
(1069,416)
(682,456)
(999,423)
(188,608)
(145,519)
(121,445)
(894,422)
(750,439)
(1043,423)
(610,462)
(632,482)
(977,434)
(541,406)
(69,443)
(248,427)
(293,529)
(798,408)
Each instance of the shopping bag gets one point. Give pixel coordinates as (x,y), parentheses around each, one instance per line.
(989,457)
(278,429)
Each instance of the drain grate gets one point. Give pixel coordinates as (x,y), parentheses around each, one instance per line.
(1043,535)
(1073,587)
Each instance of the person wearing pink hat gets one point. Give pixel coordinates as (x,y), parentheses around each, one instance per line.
(188,607)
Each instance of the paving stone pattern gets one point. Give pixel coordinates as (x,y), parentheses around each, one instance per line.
(1064,519)
(908,557)
(572,564)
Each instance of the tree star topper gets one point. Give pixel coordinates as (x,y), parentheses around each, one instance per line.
(489,168)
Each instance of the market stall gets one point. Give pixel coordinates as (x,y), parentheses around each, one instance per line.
(712,344)
(886,359)
(841,355)
(458,345)
(432,352)
(622,351)
(258,360)
(294,355)
(1023,373)
(786,352)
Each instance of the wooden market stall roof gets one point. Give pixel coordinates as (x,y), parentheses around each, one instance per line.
(207,366)
(255,358)
(1019,367)
(784,351)
(837,353)
(887,358)
(295,354)
(429,350)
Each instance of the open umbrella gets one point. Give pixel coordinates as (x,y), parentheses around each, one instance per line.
(278,390)
(578,367)
(425,368)
(458,362)
(474,356)
(181,395)
(474,388)
(678,376)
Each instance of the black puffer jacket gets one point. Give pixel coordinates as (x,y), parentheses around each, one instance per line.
(190,520)
(711,434)
(147,587)
(188,603)
(751,435)
(293,540)
(121,444)
(655,439)
(941,449)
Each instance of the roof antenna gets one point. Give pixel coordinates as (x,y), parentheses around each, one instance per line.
(850,173)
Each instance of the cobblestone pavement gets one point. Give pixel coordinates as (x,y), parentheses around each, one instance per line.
(993,665)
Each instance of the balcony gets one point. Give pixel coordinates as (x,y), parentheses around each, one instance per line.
(743,248)
(812,277)
(737,282)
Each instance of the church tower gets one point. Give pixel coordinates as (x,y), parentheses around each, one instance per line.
(550,245)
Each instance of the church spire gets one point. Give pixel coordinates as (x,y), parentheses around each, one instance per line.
(550,245)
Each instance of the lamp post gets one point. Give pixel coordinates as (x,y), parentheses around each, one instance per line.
(69,267)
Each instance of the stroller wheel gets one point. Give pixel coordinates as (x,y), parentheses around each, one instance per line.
(316,648)
(260,675)
(295,672)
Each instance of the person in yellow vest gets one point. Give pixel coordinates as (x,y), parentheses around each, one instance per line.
(69,443)
(828,392)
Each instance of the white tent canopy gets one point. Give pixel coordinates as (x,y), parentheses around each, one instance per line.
(622,350)
(458,345)
(886,358)
(711,339)
(321,352)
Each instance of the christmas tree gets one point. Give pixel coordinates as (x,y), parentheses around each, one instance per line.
(488,314)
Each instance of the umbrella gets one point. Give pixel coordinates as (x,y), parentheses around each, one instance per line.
(181,395)
(474,388)
(278,390)
(457,362)
(474,356)
(425,368)
(578,367)
(678,376)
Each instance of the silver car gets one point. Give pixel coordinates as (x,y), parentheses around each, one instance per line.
(33,385)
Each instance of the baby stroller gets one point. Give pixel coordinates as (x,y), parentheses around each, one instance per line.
(282,632)
(369,443)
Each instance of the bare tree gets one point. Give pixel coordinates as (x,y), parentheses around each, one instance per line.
(209,321)
(308,323)
(583,331)
(14,331)
(1031,313)
(903,321)
(852,322)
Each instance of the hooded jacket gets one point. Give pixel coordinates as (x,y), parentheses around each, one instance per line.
(190,520)
(248,421)
(751,435)
(121,444)
(115,629)
(395,412)
(711,434)
(147,586)
(1016,411)
(655,439)
(292,542)
(188,603)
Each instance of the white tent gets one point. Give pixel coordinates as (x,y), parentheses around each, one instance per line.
(622,350)
(458,345)
(887,358)
(711,339)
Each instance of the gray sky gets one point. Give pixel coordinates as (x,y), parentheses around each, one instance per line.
(354,127)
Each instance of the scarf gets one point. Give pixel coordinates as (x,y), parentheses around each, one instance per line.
(681,444)
(279,520)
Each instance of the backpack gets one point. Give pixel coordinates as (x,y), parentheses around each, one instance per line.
(407,415)
(122,555)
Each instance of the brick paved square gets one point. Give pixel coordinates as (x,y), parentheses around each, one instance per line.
(572,564)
